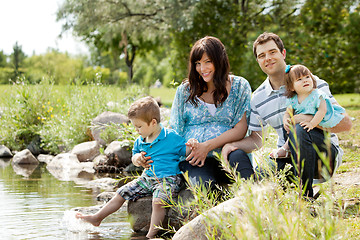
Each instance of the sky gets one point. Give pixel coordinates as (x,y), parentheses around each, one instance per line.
(32,23)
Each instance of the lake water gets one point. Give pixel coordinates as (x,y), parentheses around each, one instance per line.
(36,205)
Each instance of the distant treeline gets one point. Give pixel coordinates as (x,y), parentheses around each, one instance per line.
(144,41)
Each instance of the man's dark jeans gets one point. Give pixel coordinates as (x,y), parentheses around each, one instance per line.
(303,143)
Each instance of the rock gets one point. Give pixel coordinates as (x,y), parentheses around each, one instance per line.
(86,151)
(140,212)
(107,184)
(105,196)
(131,168)
(121,151)
(35,146)
(118,155)
(66,167)
(45,158)
(165,116)
(24,169)
(25,157)
(99,123)
(5,152)
(88,210)
(199,225)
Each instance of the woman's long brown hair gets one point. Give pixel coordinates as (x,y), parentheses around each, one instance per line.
(215,50)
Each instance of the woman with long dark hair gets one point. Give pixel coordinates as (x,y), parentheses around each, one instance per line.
(212,106)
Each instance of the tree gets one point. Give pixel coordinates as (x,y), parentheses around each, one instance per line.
(236,23)
(3,59)
(59,67)
(17,58)
(324,41)
(125,26)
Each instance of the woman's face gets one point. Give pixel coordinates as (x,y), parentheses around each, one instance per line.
(205,68)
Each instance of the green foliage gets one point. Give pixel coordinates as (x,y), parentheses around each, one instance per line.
(122,131)
(59,115)
(64,69)
(325,44)
(3,60)
(17,58)
(6,74)
(151,67)
(151,39)
(59,67)
(273,208)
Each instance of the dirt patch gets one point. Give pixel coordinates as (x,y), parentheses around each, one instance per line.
(348,178)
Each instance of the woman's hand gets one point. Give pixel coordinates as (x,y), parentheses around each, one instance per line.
(198,154)
(227,149)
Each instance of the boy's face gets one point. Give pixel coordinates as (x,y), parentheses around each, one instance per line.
(143,128)
(270,59)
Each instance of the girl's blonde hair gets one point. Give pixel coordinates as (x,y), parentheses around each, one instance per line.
(295,72)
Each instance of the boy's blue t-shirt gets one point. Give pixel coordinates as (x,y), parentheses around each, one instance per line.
(165,151)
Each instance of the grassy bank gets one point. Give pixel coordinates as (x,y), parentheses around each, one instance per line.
(58,115)
(268,211)
(61,117)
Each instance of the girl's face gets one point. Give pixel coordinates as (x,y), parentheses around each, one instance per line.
(303,84)
(205,68)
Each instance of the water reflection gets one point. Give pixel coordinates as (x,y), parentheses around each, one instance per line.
(33,203)
(24,169)
(4,162)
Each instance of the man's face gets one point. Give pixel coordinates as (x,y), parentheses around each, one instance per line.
(270,59)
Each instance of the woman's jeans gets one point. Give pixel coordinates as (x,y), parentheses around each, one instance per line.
(310,161)
(212,172)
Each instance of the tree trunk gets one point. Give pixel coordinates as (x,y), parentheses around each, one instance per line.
(129,62)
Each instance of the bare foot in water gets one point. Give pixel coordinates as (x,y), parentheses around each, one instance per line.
(88,218)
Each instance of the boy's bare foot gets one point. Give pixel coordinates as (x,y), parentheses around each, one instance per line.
(88,218)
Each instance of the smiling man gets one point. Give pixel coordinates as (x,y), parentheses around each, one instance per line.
(268,106)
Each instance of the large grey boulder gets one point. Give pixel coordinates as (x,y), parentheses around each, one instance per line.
(117,156)
(120,150)
(67,167)
(140,212)
(25,157)
(99,124)
(86,151)
(199,226)
(5,152)
(45,158)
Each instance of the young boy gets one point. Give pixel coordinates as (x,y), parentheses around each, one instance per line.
(158,150)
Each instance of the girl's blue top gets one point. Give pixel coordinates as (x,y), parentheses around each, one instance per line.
(311,104)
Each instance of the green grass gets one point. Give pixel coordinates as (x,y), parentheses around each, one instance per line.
(60,115)
(350,101)
(166,95)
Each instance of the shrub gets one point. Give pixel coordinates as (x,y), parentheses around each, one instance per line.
(59,115)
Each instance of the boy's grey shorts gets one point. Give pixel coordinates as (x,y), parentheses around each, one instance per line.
(164,188)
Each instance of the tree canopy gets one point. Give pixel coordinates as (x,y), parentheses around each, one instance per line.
(151,39)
